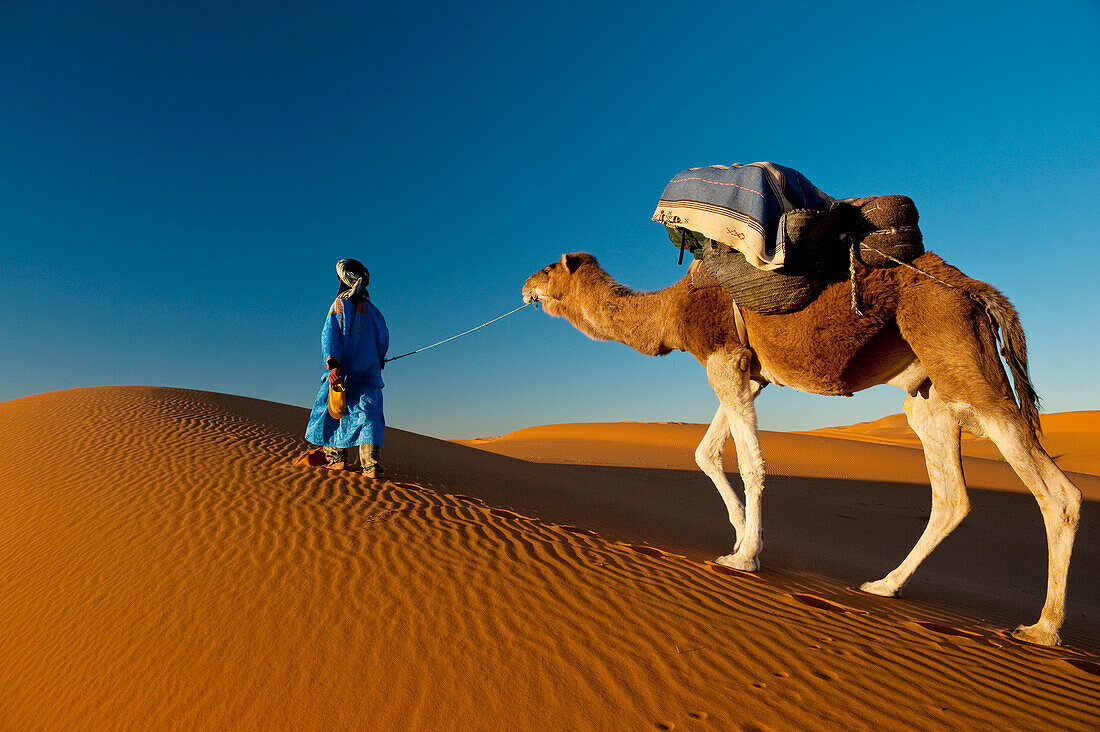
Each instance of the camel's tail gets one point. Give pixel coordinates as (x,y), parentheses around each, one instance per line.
(1004,319)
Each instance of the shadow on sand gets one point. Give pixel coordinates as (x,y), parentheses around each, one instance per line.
(993,567)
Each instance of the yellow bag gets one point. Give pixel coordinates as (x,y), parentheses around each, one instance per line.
(337,401)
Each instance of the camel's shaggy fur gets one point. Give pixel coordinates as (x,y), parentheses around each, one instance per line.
(937,341)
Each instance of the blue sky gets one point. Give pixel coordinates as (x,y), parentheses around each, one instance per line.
(177,181)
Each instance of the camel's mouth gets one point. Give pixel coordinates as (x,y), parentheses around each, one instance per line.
(530,296)
(542,300)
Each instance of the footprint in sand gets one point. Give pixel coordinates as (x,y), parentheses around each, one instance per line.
(948,630)
(650,551)
(1089,667)
(467,499)
(698,715)
(731,572)
(504,513)
(576,530)
(822,604)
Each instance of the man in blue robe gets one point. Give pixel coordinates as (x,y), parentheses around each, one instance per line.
(354,341)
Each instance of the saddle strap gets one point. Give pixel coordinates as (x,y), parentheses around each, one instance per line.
(739,321)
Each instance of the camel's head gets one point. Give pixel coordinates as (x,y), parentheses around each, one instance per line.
(551,285)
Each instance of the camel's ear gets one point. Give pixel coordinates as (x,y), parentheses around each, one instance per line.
(571,262)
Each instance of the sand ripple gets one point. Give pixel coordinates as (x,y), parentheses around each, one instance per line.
(170,569)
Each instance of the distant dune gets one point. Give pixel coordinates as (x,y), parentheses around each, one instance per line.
(163,565)
(882,450)
(1071,438)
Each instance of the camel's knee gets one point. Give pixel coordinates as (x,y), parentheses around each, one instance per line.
(1066,510)
(707,457)
(708,454)
(752,475)
(1058,498)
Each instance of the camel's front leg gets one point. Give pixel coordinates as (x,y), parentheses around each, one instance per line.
(708,456)
(729,376)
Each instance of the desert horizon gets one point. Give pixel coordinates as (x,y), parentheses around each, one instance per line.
(1067,436)
(169,565)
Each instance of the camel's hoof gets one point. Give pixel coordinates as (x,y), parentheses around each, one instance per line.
(880,588)
(734,562)
(1036,635)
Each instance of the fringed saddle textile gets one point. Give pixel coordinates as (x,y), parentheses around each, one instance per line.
(773,240)
(739,206)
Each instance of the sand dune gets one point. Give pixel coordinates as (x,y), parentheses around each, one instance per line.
(1071,438)
(885,450)
(166,566)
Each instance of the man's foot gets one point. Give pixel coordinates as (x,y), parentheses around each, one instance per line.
(372,473)
(336,458)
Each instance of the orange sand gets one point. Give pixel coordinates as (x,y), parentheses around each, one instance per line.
(168,568)
(1071,438)
(882,450)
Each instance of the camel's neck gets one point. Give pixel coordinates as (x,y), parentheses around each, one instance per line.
(603,309)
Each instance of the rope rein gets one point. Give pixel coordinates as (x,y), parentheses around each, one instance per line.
(852,244)
(906,264)
(467,332)
(929,275)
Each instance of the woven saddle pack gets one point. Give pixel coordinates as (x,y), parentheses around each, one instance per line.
(773,240)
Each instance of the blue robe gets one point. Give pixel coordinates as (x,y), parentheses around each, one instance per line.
(355,334)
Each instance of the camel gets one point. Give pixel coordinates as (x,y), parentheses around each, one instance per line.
(926,328)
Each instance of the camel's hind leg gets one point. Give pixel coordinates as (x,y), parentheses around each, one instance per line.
(729,376)
(939,434)
(952,337)
(1060,502)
